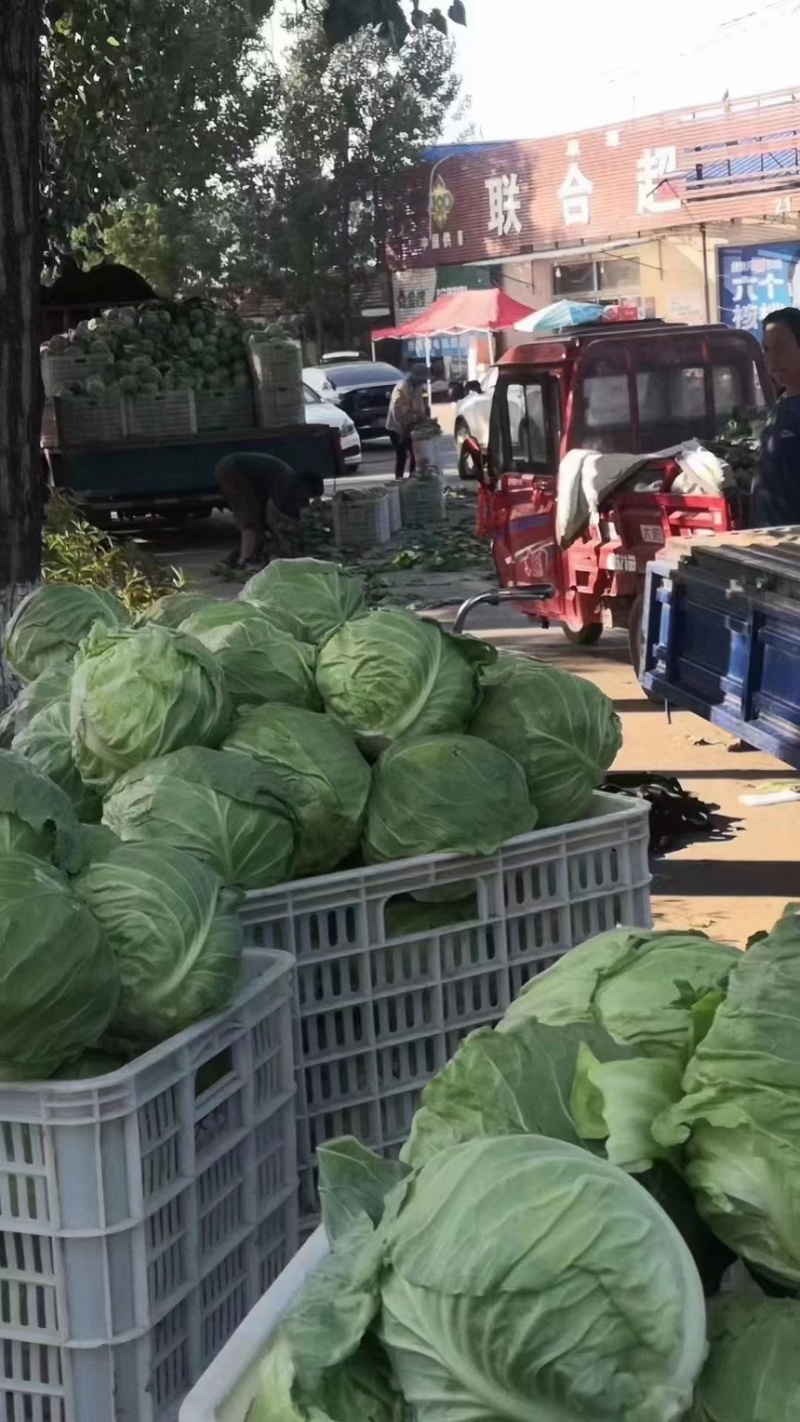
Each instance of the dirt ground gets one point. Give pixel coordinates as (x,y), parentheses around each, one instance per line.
(729,886)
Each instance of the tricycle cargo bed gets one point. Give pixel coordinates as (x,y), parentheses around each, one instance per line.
(721,637)
(155,472)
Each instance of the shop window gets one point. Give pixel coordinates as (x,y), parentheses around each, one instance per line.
(609,277)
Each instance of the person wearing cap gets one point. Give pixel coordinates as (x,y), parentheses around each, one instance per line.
(407,410)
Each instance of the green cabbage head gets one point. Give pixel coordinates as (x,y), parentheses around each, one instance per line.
(389,675)
(318,595)
(738,1122)
(753,1369)
(59,976)
(51,623)
(174,930)
(527,1278)
(451,794)
(139,694)
(227,810)
(657,992)
(51,685)
(563,732)
(259,662)
(173,608)
(46,743)
(322,772)
(36,817)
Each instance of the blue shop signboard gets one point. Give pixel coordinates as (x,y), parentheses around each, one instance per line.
(756,280)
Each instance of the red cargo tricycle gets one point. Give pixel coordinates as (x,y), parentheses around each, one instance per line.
(622,389)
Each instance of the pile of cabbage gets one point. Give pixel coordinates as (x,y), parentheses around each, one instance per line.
(559,1237)
(160,769)
(157,346)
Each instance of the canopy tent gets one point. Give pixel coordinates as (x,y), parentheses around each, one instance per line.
(459,314)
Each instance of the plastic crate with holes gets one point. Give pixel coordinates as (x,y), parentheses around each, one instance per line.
(60,371)
(164,414)
(143,1214)
(95,419)
(397,962)
(225,409)
(361,521)
(395,511)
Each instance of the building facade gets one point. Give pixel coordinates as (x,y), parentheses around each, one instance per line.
(691,216)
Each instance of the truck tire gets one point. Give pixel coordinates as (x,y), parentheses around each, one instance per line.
(587,636)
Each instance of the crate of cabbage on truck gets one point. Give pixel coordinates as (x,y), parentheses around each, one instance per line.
(142,403)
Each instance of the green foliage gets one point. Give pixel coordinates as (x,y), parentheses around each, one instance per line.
(75,551)
(164,96)
(349,120)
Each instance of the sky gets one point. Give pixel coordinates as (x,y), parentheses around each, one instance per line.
(539,67)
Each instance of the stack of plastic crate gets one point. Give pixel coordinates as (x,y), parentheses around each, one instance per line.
(380,1009)
(144,1213)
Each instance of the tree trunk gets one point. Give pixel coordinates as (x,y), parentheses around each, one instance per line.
(20,265)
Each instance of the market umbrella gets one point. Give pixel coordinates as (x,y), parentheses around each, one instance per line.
(458,313)
(560,314)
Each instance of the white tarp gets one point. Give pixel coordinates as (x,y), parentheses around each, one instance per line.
(586,478)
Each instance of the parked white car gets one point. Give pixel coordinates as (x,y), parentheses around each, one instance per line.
(321,412)
(474,411)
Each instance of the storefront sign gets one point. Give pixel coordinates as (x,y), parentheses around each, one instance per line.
(756,280)
(495,202)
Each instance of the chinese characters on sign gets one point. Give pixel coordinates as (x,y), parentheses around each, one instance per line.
(756,280)
(505,202)
(654,170)
(575,194)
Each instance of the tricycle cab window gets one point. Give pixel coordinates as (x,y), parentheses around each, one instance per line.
(525,428)
(650,395)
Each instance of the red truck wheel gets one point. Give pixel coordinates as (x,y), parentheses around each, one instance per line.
(587,636)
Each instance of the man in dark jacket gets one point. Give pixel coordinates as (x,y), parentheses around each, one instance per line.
(266,497)
(776,496)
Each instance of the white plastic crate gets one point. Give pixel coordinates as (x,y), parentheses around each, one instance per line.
(395,512)
(433,451)
(49,436)
(59,371)
(224,409)
(422,501)
(361,522)
(280,405)
(165,414)
(379,1013)
(95,419)
(228,1389)
(143,1214)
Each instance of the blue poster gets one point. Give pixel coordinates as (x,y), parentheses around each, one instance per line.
(756,280)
